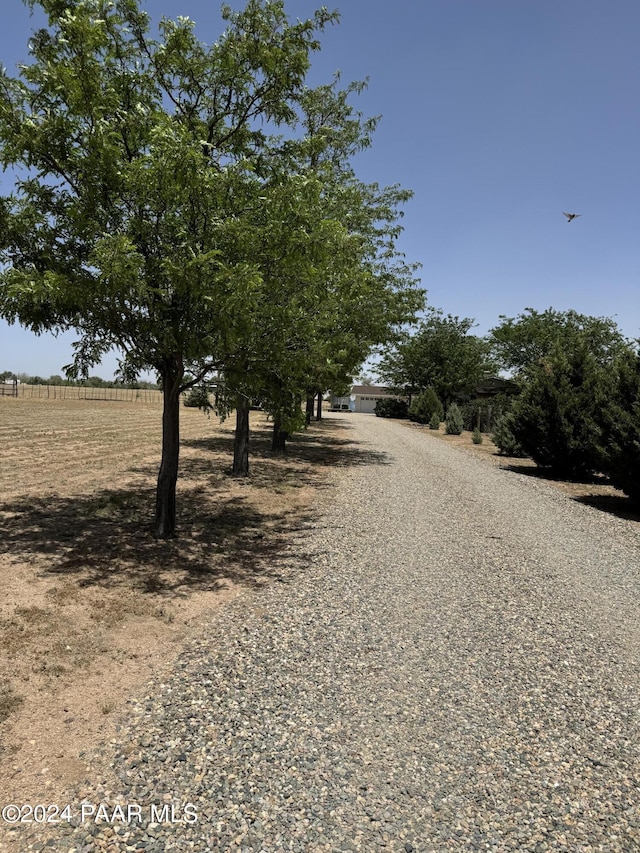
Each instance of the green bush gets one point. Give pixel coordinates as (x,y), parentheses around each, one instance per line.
(622,428)
(433,403)
(434,423)
(470,411)
(504,439)
(197,398)
(391,408)
(453,421)
(477,436)
(424,405)
(418,411)
(558,417)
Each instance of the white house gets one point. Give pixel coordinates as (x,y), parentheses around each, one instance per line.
(363,398)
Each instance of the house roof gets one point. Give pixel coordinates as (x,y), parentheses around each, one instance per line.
(371,391)
(495,385)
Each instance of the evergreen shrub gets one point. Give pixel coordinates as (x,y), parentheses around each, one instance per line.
(417,410)
(433,403)
(470,411)
(453,421)
(558,417)
(477,436)
(622,428)
(424,405)
(489,410)
(504,439)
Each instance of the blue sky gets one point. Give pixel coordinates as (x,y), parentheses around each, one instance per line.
(499,115)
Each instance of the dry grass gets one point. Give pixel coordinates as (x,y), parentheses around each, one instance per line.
(92,603)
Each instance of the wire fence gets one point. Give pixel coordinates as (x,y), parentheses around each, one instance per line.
(81,392)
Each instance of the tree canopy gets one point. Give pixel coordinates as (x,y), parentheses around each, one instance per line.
(192,205)
(519,342)
(441,354)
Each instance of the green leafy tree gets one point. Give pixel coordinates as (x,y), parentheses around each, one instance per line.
(198,398)
(442,354)
(367,291)
(138,159)
(522,341)
(333,284)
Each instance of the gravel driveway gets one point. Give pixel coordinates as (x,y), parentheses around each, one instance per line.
(452,665)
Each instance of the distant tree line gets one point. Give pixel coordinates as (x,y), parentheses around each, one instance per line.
(90,381)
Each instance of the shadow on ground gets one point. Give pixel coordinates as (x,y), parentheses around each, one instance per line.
(106,539)
(228,528)
(618,505)
(316,446)
(545,474)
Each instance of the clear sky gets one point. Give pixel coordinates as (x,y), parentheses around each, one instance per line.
(499,115)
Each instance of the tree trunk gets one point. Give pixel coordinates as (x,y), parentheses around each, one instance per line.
(279,439)
(319,412)
(165,527)
(309,410)
(241,438)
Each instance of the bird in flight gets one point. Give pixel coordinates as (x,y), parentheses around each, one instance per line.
(571,216)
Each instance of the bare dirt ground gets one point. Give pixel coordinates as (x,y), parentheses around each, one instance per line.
(92,604)
(595,491)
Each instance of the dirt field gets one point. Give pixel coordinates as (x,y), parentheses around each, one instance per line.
(92,603)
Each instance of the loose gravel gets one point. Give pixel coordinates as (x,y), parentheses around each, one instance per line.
(450,664)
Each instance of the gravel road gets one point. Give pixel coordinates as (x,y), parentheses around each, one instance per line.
(452,665)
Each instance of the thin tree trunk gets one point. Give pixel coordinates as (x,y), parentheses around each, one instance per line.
(165,526)
(319,411)
(309,410)
(241,438)
(279,438)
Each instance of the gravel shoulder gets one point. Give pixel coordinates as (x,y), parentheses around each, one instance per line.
(449,662)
